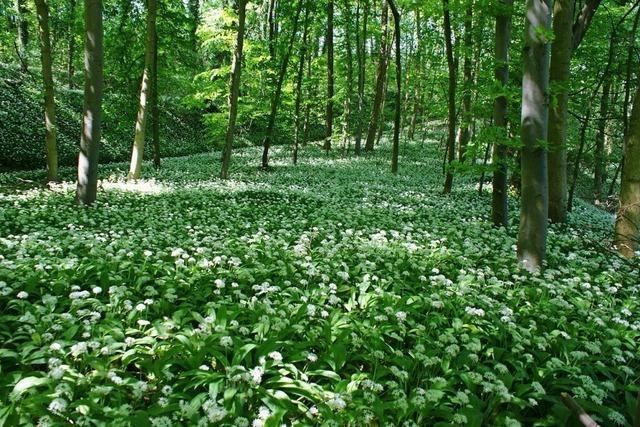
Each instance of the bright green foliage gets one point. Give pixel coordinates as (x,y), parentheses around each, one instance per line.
(331,293)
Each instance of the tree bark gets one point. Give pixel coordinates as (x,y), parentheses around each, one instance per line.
(417,92)
(362,57)
(330,80)
(628,218)
(451,97)
(155,111)
(275,100)
(299,78)
(23,34)
(91,127)
(234,90)
(532,235)
(599,155)
(583,21)
(578,159)
(71,44)
(42,10)
(499,204)
(380,80)
(349,83)
(467,67)
(137,154)
(559,75)
(397,115)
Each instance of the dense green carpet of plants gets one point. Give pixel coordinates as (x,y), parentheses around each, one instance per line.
(331,293)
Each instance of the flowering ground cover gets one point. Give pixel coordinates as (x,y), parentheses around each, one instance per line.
(331,293)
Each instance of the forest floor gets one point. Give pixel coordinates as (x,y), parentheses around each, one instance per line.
(330,293)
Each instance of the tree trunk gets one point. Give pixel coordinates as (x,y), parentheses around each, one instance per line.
(583,21)
(559,75)
(155,112)
(385,91)
(532,236)
(499,205)
(23,34)
(71,43)
(234,90)
(599,157)
(349,83)
(194,15)
(275,100)
(380,80)
(303,52)
(362,57)
(308,100)
(451,96)
(329,42)
(91,127)
(42,10)
(628,218)
(397,116)
(137,154)
(467,68)
(578,159)
(417,91)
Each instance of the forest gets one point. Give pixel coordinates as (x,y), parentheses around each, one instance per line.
(276,213)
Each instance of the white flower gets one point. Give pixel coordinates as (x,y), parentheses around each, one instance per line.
(256,374)
(312,357)
(337,404)
(401,316)
(474,311)
(78,349)
(55,347)
(219,283)
(226,341)
(143,322)
(58,405)
(141,307)
(276,356)
(22,295)
(97,289)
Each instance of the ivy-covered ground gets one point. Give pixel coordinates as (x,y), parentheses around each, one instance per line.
(331,293)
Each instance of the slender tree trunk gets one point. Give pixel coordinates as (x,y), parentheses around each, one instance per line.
(385,91)
(42,10)
(578,159)
(155,112)
(417,92)
(303,52)
(23,34)
(465,125)
(91,126)
(362,56)
(234,90)
(330,91)
(628,218)
(599,155)
(349,83)
(532,236)
(397,116)
(272,30)
(307,107)
(275,100)
(380,80)
(137,154)
(583,21)
(71,43)
(499,204)
(559,75)
(451,96)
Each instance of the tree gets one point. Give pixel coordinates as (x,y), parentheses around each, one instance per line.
(330,80)
(532,235)
(42,10)
(499,205)
(277,92)
(628,219)
(381,78)
(137,153)
(23,33)
(234,91)
(71,43)
(464,132)
(397,114)
(361,53)
(92,117)
(451,97)
(349,81)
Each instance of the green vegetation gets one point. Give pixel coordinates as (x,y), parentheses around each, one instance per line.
(329,293)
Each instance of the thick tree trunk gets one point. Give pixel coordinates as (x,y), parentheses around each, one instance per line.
(71,44)
(499,205)
(381,78)
(234,90)
(559,74)
(42,10)
(23,34)
(397,115)
(330,80)
(91,126)
(628,218)
(275,100)
(532,236)
(303,52)
(451,96)
(362,56)
(465,125)
(349,83)
(137,154)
